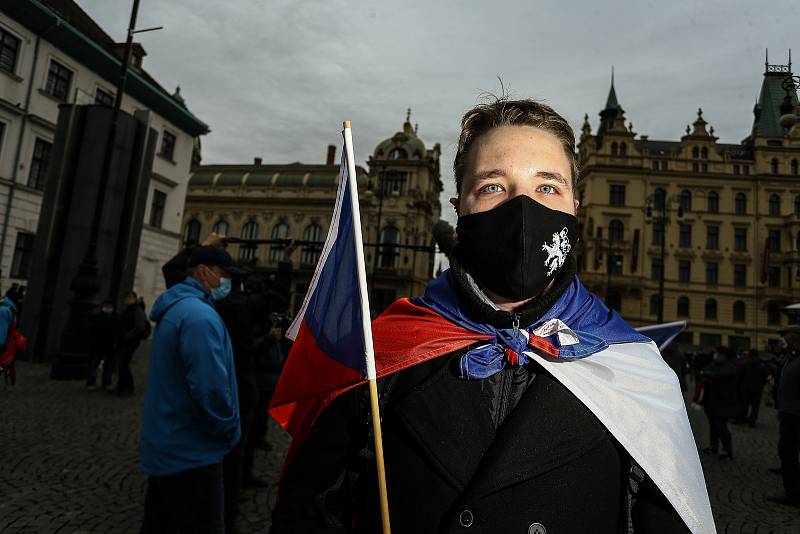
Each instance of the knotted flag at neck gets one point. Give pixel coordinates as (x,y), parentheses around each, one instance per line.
(576,326)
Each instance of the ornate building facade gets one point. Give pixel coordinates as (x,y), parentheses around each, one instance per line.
(399,198)
(716,225)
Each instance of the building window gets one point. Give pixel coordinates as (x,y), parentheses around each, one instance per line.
(746,169)
(797,241)
(393,182)
(712,273)
(658,232)
(704,153)
(654,164)
(310,253)
(655,268)
(103,98)
(623,149)
(249,231)
(739,343)
(39,163)
(654,300)
(711,309)
(398,153)
(157,206)
(773,314)
(740,275)
(712,237)
(23,253)
(683,306)
(684,271)
(614,149)
(686,200)
(221,227)
(695,152)
(797,205)
(685,235)
(659,198)
(740,204)
(774,276)
(704,167)
(664,165)
(774,205)
(773,166)
(59,79)
(191,236)
(774,240)
(388,251)
(738,311)
(9,48)
(695,167)
(279,231)
(740,239)
(616,195)
(713,202)
(614,264)
(710,340)
(794,167)
(736,169)
(616,230)
(167,146)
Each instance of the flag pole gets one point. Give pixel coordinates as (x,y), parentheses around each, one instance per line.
(367,328)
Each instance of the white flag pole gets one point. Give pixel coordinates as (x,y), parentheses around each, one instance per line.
(367,328)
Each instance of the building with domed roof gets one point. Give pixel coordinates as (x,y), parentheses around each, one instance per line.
(713,227)
(399,198)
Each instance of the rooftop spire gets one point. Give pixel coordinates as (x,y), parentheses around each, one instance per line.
(611,101)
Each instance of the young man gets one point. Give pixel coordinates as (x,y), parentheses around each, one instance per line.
(191,411)
(560,419)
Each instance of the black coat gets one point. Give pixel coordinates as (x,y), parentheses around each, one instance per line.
(550,462)
(130,326)
(720,389)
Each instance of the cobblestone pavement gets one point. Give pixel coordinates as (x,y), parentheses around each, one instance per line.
(69,464)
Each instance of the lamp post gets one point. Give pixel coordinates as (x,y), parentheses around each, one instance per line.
(662,203)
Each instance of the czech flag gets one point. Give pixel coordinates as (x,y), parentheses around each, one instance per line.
(663,334)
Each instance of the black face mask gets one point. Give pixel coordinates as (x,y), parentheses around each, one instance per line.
(516,249)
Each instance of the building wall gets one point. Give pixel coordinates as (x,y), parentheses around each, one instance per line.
(170,176)
(723,173)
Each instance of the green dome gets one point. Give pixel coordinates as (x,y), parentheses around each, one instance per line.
(406,140)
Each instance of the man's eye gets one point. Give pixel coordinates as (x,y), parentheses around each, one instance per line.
(492,188)
(547,189)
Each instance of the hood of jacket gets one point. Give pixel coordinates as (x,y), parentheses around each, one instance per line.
(189,288)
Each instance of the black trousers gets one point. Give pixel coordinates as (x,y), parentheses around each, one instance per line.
(788,450)
(751,402)
(719,432)
(124,356)
(189,502)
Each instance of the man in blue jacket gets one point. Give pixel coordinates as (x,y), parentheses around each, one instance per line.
(191,411)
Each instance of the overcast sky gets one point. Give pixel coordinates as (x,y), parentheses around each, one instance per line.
(276,78)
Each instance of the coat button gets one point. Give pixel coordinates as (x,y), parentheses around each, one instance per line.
(537,528)
(465,518)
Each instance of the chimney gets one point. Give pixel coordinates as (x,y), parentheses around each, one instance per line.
(257,162)
(331,155)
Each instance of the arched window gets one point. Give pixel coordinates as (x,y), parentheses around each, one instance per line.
(794,167)
(221,227)
(704,153)
(398,153)
(686,200)
(711,309)
(191,235)
(616,230)
(659,198)
(623,149)
(740,203)
(388,251)
(654,300)
(695,152)
(774,205)
(713,202)
(279,231)
(773,166)
(614,149)
(683,306)
(738,311)
(249,231)
(310,253)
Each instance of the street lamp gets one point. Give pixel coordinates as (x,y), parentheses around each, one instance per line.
(661,202)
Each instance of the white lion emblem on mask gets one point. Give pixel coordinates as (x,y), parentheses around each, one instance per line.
(557,251)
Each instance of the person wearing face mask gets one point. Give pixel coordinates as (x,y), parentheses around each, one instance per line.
(191,410)
(789,417)
(523,403)
(720,399)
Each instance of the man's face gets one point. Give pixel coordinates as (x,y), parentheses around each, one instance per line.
(211,275)
(510,161)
